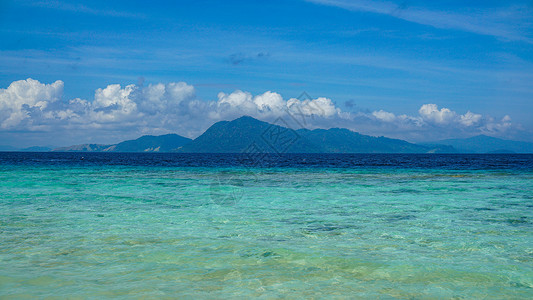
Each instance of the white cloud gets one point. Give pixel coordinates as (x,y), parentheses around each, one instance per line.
(24,96)
(114,104)
(470,118)
(431,114)
(117,113)
(237,100)
(320,107)
(29,105)
(269,102)
(160,97)
(384,116)
(433,123)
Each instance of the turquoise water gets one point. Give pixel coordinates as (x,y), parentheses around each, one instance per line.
(229,232)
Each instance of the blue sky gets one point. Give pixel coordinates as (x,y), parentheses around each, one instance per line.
(377,62)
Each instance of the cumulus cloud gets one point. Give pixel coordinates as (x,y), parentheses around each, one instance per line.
(269,105)
(432,114)
(432,122)
(118,112)
(28,105)
(23,97)
(470,119)
(320,107)
(384,116)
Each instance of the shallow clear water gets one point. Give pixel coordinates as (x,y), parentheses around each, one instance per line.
(301,226)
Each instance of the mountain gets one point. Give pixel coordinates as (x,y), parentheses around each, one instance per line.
(29,149)
(84,148)
(7,148)
(150,143)
(248,134)
(146,143)
(240,134)
(340,140)
(36,149)
(487,144)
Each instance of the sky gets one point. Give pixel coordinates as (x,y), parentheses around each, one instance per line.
(76,72)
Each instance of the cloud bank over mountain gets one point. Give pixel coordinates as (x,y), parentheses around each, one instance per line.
(31,109)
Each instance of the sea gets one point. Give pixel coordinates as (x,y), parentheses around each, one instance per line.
(224,226)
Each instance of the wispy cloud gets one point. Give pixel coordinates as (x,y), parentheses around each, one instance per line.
(509,23)
(81,8)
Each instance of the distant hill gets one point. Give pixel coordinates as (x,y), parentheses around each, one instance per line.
(247,134)
(84,148)
(244,133)
(487,144)
(150,143)
(339,140)
(7,148)
(146,143)
(36,149)
(29,149)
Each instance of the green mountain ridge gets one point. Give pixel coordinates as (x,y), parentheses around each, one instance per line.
(28,149)
(150,143)
(341,140)
(246,134)
(84,148)
(488,144)
(146,143)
